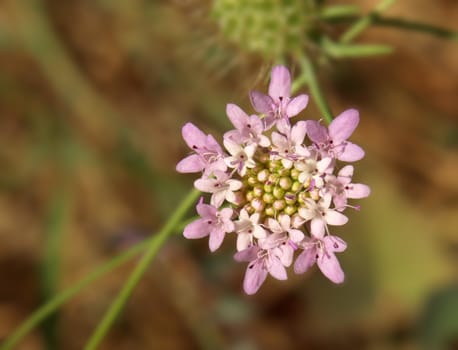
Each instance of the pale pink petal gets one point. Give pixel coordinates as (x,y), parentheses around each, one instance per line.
(351,153)
(358,191)
(259,232)
(298,132)
(343,125)
(233,147)
(193,136)
(330,267)
(249,254)
(335,218)
(216,238)
(255,276)
(306,213)
(205,210)
(305,260)
(277,270)
(346,171)
(323,164)
(340,201)
(296,235)
(334,244)
(296,105)
(280,83)
(317,227)
(197,229)
(218,198)
(316,132)
(279,141)
(190,164)
(261,103)
(205,185)
(243,241)
(287,254)
(236,115)
(213,145)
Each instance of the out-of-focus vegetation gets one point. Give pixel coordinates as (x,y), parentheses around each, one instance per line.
(93,94)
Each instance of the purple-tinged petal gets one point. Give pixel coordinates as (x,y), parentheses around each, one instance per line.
(296,235)
(316,132)
(260,102)
(205,210)
(351,153)
(190,164)
(340,201)
(298,132)
(213,145)
(216,238)
(317,227)
(193,136)
(343,125)
(236,115)
(277,270)
(358,191)
(305,260)
(249,254)
(197,229)
(205,185)
(280,83)
(287,254)
(218,198)
(296,105)
(335,218)
(330,267)
(346,171)
(255,276)
(334,244)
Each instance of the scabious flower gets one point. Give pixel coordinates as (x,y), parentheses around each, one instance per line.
(276,187)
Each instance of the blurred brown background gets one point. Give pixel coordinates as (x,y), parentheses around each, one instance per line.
(93,94)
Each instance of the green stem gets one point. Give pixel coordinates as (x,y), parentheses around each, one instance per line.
(308,70)
(414,26)
(52,305)
(58,214)
(153,247)
(364,22)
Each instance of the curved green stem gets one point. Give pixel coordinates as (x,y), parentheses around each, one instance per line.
(415,26)
(308,69)
(52,305)
(47,309)
(153,247)
(364,22)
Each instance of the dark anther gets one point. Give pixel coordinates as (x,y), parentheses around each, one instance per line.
(317,256)
(209,222)
(336,245)
(248,126)
(281,98)
(347,187)
(194,146)
(251,266)
(250,231)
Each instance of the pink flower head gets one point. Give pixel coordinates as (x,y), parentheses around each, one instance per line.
(274,188)
(332,141)
(208,153)
(321,251)
(278,105)
(212,223)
